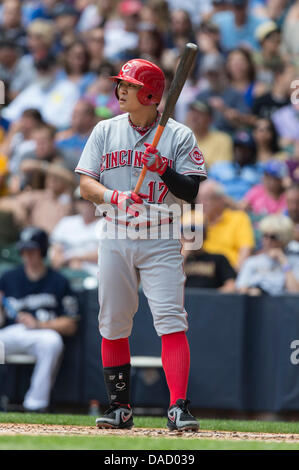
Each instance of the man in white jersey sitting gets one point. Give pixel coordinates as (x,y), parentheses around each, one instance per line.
(109,168)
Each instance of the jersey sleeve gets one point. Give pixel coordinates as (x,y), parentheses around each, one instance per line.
(189,158)
(91,157)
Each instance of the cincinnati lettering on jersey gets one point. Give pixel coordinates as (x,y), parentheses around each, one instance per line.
(120,158)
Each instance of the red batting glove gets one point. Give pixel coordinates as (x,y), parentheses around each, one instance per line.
(152,160)
(126,201)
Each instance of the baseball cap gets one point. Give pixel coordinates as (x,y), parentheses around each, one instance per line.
(130,7)
(265,29)
(244,139)
(32,238)
(201,106)
(211,63)
(208,27)
(275,168)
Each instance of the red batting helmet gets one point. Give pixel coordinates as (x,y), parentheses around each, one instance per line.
(146,74)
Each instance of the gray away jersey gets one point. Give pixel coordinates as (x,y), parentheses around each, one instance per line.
(113,152)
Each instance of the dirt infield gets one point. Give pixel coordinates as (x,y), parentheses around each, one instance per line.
(12,429)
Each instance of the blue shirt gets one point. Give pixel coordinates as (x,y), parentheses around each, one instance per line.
(235,179)
(48,298)
(231,36)
(232,98)
(71,148)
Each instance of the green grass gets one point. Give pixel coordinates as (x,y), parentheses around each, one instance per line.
(133,443)
(142,443)
(156,422)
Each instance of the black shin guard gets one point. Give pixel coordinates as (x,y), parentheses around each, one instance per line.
(117,381)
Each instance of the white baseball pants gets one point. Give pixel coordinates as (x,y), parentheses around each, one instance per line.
(47,347)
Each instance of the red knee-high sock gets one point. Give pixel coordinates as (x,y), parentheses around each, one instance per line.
(176,364)
(115,352)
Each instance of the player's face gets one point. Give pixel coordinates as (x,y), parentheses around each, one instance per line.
(127,96)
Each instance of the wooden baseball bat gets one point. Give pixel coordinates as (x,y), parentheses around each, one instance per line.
(172,97)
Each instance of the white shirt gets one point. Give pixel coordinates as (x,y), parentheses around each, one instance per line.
(55,102)
(76,238)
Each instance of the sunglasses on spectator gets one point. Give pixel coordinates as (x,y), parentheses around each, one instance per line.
(271,236)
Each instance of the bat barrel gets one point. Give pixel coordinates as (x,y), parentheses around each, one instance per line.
(180,77)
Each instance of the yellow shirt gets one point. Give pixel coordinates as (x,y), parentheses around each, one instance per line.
(231,233)
(216,146)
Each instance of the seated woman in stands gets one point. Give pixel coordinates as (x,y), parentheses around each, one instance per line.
(273,271)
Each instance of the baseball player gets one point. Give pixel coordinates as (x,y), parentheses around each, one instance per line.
(38,309)
(109,168)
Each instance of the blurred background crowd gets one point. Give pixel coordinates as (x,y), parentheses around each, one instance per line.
(241,100)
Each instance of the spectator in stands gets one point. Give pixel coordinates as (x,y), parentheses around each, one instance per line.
(273,9)
(102,93)
(156,12)
(38,309)
(197,9)
(293,163)
(215,145)
(274,271)
(269,58)
(44,208)
(292,200)
(150,44)
(55,99)
(206,270)
(217,6)
(95,42)
(291,32)
(180,31)
(11,71)
(208,38)
(243,172)
(228,104)
(229,232)
(65,18)
(266,141)
(238,26)
(240,70)
(124,36)
(269,196)
(76,66)
(74,241)
(72,141)
(11,22)
(18,140)
(39,43)
(278,96)
(286,121)
(31,165)
(89,15)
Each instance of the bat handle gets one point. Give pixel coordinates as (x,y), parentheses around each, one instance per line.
(156,139)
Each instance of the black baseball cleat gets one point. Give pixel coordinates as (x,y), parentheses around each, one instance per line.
(118,416)
(180,418)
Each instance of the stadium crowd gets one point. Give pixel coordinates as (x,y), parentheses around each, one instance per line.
(241,100)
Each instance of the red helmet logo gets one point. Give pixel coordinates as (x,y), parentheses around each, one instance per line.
(126,67)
